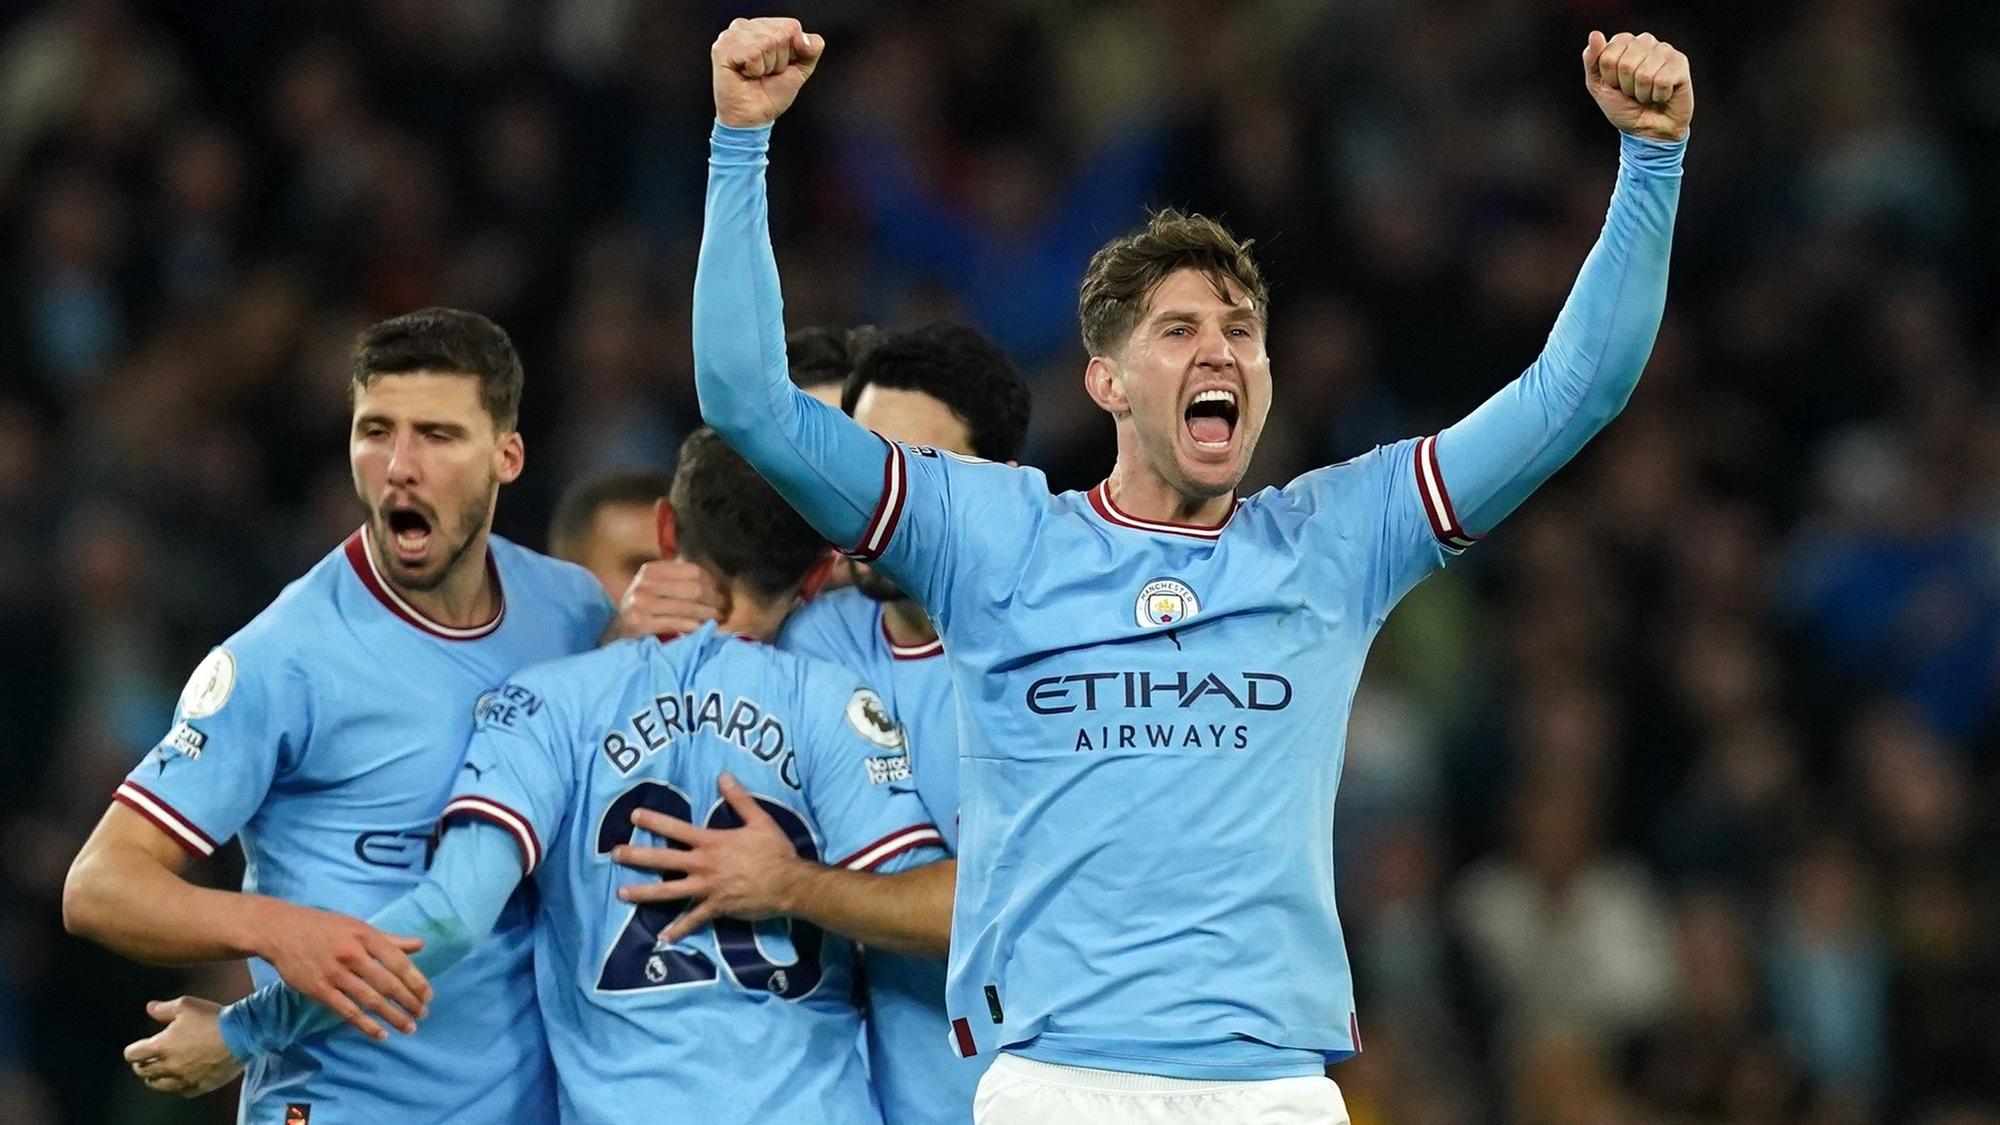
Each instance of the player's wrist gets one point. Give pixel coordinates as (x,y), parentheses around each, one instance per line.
(253,922)
(799,887)
(733,132)
(1649,154)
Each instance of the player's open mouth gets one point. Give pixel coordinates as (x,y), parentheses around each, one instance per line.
(409,534)
(1211,418)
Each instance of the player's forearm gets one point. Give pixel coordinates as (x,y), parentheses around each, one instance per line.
(123,899)
(905,912)
(1587,371)
(475,870)
(828,468)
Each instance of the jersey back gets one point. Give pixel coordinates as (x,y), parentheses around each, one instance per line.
(1154,720)
(740,1021)
(326,735)
(918,1078)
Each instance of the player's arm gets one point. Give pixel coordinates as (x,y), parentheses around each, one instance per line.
(753,872)
(203,1046)
(126,891)
(1489,462)
(826,465)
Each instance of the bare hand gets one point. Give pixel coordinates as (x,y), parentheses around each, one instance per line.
(1643,86)
(748,872)
(669,597)
(758,66)
(347,965)
(188,1056)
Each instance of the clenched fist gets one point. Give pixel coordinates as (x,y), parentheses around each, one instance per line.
(1642,85)
(758,66)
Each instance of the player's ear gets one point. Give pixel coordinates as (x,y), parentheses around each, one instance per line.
(511,457)
(669,531)
(809,586)
(1105,384)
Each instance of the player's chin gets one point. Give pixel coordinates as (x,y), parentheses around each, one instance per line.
(424,573)
(1215,468)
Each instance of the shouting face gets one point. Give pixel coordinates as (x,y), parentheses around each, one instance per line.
(428,464)
(1191,386)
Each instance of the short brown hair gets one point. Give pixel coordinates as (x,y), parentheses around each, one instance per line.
(444,342)
(1123,275)
(731,518)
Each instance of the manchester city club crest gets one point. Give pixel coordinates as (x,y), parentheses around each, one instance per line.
(1165,601)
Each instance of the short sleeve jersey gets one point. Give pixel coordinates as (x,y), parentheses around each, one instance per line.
(326,734)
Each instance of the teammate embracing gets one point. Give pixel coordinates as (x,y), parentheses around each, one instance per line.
(735,1021)
(947,388)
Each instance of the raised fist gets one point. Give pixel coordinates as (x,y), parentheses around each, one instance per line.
(1642,85)
(758,66)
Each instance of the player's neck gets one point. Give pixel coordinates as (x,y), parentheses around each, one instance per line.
(468,596)
(1143,494)
(755,616)
(907,624)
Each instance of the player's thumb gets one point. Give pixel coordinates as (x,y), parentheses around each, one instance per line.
(406,944)
(739,798)
(163,1010)
(1591,50)
(806,50)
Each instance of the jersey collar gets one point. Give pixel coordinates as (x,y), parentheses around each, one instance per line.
(1100,500)
(363,561)
(932,647)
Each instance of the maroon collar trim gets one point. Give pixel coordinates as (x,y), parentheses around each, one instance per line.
(932,647)
(363,561)
(1100,499)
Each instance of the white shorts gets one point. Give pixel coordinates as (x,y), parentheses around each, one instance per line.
(1018,1091)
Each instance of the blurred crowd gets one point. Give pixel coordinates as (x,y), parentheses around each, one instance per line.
(1674,802)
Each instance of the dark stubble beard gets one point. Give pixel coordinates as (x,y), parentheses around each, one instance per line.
(471,516)
(876,586)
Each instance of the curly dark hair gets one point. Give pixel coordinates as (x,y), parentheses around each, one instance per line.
(962,369)
(732,519)
(820,357)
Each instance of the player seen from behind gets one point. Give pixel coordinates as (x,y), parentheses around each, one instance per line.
(944,387)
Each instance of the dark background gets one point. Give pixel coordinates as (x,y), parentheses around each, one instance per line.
(1674,802)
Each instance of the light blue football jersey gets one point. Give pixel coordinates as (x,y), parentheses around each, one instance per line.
(741,1021)
(918,1078)
(1156,721)
(1154,716)
(327,734)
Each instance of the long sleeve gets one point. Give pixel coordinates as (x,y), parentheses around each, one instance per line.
(828,467)
(476,869)
(1517,439)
